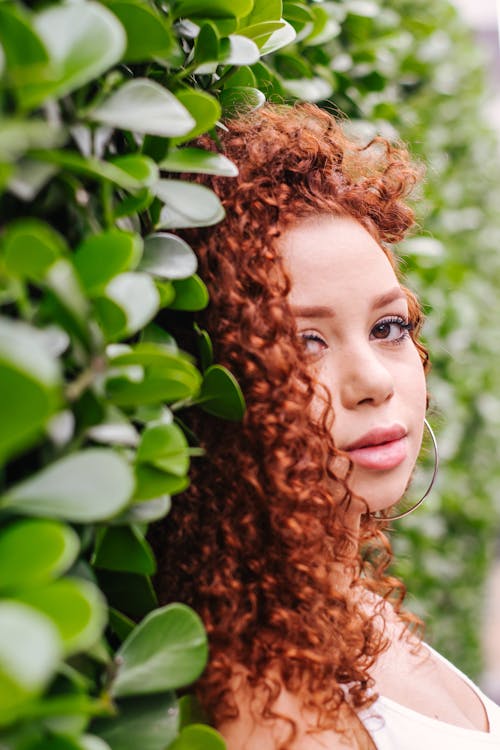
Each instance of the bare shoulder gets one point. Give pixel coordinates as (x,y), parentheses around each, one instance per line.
(250,731)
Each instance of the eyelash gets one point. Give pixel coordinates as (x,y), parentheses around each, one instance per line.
(406,327)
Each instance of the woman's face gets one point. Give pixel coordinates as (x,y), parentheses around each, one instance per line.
(352,317)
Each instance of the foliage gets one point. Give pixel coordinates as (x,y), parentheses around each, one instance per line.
(97,103)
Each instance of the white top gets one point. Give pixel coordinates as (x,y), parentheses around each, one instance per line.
(396,727)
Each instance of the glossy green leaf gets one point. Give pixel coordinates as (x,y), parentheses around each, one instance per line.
(68,305)
(135,294)
(187,205)
(145,511)
(124,548)
(34,551)
(221,395)
(23,49)
(30,650)
(165,447)
(241,98)
(205,348)
(83,40)
(31,377)
(168,256)
(203,107)
(140,167)
(147,722)
(144,106)
(166,291)
(190,294)
(282,37)
(100,257)
(18,136)
(167,650)
(198,737)
(76,607)
(148,34)
(30,247)
(86,486)
(261,32)
(206,48)
(120,624)
(130,593)
(239,50)
(152,483)
(200,161)
(90,167)
(212,8)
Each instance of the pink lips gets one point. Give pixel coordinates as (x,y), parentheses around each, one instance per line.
(380,449)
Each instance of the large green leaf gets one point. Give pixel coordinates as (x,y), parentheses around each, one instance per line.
(190,294)
(102,256)
(136,296)
(167,650)
(148,722)
(94,168)
(148,34)
(212,8)
(124,548)
(187,205)
(31,377)
(165,447)
(198,737)
(152,483)
(144,106)
(200,161)
(30,650)
(168,256)
(203,107)
(83,40)
(34,551)
(221,395)
(76,607)
(86,486)
(30,247)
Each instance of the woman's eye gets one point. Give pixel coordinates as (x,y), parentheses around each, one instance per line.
(391,329)
(313,343)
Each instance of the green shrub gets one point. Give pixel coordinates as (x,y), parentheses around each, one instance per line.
(97,102)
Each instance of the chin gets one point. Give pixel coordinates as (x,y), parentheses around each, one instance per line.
(380,492)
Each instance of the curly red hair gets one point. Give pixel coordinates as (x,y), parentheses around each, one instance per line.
(255,543)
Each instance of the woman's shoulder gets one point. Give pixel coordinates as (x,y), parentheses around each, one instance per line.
(288,724)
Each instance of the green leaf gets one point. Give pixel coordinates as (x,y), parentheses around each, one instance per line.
(30,375)
(75,606)
(30,247)
(144,106)
(65,302)
(190,294)
(82,40)
(221,395)
(206,48)
(152,482)
(168,376)
(145,511)
(165,447)
(34,551)
(239,50)
(212,8)
(205,348)
(278,39)
(147,722)
(168,256)
(187,205)
(18,136)
(147,32)
(166,651)
(102,256)
(140,167)
(90,167)
(135,294)
(29,177)
(200,161)
(130,593)
(203,107)
(261,33)
(124,548)
(262,11)
(30,650)
(120,624)
(241,98)
(86,486)
(198,737)
(23,49)
(308,89)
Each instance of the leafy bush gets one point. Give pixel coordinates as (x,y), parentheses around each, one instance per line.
(97,103)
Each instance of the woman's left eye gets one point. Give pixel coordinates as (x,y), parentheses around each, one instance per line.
(391,329)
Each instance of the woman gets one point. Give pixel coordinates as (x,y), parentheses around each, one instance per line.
(278,544)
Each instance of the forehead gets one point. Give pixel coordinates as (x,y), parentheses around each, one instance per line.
(335,257)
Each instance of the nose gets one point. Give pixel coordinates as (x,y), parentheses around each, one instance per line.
(364,378)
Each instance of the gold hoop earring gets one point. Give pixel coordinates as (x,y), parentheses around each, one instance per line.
(382,517)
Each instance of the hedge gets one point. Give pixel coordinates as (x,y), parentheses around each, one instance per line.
(98,101)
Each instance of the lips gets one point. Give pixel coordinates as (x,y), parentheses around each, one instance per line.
(379,449)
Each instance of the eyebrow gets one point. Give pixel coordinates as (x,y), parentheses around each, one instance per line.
(325,311)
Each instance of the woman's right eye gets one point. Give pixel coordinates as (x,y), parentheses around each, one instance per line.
(314,344)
